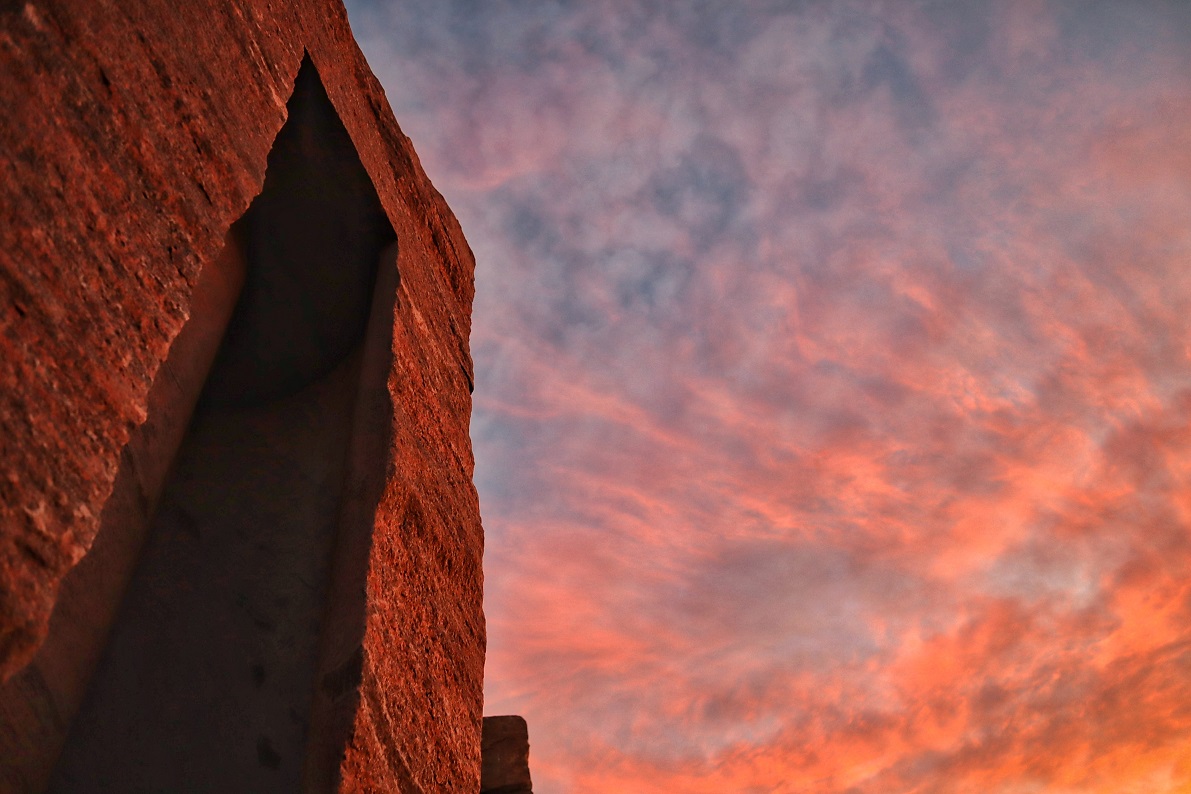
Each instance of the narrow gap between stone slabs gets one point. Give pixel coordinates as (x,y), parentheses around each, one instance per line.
(206,681)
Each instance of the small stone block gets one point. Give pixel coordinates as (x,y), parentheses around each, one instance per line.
(504,753)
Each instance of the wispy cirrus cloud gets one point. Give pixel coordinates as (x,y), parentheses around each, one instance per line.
(833,384)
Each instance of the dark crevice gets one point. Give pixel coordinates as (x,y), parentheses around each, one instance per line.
(312,239)
(346,677)
(207,680)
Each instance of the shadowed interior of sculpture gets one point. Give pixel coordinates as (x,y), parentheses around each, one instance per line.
(207,680)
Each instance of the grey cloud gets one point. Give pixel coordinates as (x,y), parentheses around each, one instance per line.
(705,192)
(885,67)
(794,604)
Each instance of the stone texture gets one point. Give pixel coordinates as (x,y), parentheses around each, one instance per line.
(505,754)
(134,135)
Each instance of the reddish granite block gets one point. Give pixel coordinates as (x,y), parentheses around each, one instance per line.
(134,137)
(505,756)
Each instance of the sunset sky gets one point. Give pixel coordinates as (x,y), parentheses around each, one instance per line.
(833,384)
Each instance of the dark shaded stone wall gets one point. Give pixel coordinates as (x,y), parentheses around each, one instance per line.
(505,754)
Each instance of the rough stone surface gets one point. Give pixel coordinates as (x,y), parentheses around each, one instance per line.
(134,135)
(505,753)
